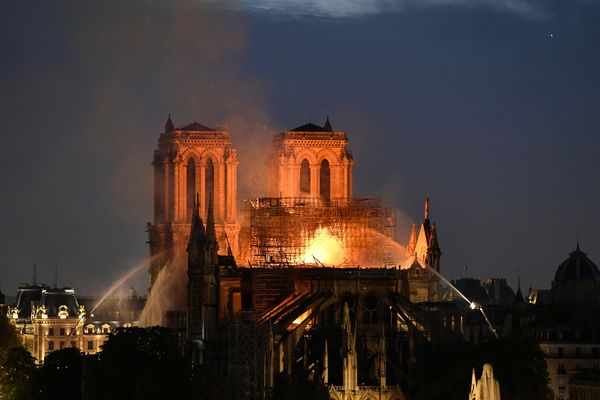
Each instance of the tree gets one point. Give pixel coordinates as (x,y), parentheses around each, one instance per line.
(209,384)
(60,376)
(8,335)
(518,364)
(17,374)
(140,363)
(298,386)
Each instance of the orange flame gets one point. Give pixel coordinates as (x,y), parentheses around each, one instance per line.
(324,247)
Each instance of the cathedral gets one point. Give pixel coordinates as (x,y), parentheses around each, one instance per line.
(310,279)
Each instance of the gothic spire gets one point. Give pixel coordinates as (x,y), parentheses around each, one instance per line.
(412,242)
(211,235)
(197,239)
(519,299)
(433,240)
(327,127)
(426,212)
(169,125)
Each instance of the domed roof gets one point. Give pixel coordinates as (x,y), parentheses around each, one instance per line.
(578,267)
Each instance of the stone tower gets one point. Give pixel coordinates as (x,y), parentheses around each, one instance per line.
(487,387)
(311,161)
(189,161)
(424,246)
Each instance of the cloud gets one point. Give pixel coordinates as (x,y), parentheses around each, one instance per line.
(357,8)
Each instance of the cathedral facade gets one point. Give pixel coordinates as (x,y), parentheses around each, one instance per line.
(349,324)
(311,161)
(192,160)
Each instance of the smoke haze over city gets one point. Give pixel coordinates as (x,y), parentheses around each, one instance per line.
(487,108)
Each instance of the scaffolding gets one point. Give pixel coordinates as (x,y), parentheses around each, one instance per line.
(277,231)
(247,357)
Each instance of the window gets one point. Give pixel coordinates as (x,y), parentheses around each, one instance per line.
(595,351)
(50,331)
(73,343)
(50,345)
(190,188)
(90,345)
(577,351)
(209,182)
(325,178)
(304,177)
(62,344)
(560,352)
(62,331)
(90,328)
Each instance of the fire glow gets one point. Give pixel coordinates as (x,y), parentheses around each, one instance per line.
(324,248)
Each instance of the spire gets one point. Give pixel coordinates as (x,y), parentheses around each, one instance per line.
(197,239)
(519,295)
(327,127)
(326,364)
(229,252)
(211,235)
(426,212)
(433,240)
(412,242)
(211,245)
(169,125)
(382,357)
(350,372)
(472,394)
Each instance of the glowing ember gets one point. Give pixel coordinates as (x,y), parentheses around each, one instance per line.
(299,320)
(325,248)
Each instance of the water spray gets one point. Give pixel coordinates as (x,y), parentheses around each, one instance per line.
(143,264)
(472,305)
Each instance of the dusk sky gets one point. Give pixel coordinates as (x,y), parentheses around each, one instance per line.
(491,108)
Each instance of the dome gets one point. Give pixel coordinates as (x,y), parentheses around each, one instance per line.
(577,268)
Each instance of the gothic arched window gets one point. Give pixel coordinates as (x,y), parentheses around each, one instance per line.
(209,182)
(190,188)
(325,178)
(304,177)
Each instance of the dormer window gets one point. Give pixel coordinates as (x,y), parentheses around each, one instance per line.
(63,312)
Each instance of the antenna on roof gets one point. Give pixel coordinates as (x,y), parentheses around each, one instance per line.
(55,273)
(34,273)
(577,238)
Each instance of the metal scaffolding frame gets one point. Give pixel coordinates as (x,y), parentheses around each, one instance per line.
(277,230)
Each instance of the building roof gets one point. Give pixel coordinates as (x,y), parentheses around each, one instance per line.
(578,267)
(310,127)
(195,126)
(26,295)
(471,288)
(53,299)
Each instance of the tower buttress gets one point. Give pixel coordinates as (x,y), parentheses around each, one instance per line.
(311,161)
(191,160)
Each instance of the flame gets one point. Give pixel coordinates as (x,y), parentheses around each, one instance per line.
(325,247)
(299,320)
